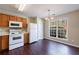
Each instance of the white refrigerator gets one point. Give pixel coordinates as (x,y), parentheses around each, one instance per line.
(33,32)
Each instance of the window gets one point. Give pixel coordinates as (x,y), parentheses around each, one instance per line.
(58,28)
(62,28)
(53,29)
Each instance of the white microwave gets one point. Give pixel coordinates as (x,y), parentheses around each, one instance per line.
(14,24)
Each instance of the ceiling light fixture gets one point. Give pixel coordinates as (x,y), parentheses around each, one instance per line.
(50,15)
(21,7)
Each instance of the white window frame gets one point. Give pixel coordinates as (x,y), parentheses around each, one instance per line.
(64,18)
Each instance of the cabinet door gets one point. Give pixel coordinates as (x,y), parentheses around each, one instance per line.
(28,20)
(0,20)
(26,37)
(24,23)
(5,42)
(0,42)
(19,19)
(4,20)
(12,18)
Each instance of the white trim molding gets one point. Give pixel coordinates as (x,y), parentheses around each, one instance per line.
(63,42)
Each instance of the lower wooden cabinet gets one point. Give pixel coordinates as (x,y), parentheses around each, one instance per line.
(5,42)
(0,43)
(26,38)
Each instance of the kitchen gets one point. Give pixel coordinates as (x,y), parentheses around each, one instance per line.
(27,31)
(39,27)
(5,26)
(16,31)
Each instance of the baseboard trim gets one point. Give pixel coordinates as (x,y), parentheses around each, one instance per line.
(63,42)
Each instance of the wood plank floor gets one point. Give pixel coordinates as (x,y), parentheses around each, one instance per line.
(43,47)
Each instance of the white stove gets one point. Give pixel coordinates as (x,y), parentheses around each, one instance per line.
(15,39)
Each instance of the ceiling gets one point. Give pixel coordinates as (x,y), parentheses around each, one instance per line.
(40,10)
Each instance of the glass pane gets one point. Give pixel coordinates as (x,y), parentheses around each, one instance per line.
(62,28)
(53,29)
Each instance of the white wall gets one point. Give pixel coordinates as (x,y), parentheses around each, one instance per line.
(73,29)
(46,29)
(40,28)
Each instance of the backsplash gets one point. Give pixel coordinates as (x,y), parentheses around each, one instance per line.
(4,31)
(24,30)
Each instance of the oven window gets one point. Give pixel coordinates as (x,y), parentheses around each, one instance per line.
(13,24)
(16,38)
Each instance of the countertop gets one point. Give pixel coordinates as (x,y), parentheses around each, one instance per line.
(4,32)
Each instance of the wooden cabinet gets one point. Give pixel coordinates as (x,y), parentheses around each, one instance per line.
(26,37)
(28,21)
(5,42)
(0,43)
(12,18)
(24,23)
(19,19)
(0,20)
(4,20)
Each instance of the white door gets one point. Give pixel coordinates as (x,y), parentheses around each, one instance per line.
(33,32)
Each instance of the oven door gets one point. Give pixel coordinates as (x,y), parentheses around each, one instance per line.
(15,39)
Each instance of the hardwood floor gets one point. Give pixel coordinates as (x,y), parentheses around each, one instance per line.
(43,47)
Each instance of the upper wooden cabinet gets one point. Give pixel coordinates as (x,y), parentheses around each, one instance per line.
(19,19)
(4,20)
(12,18)
(28,21)
(24,23)
(0,20)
